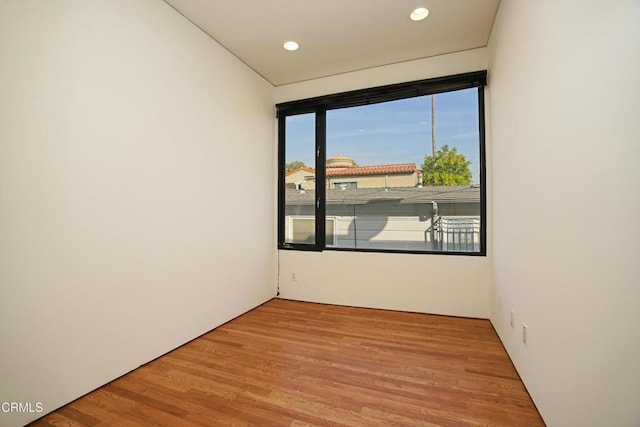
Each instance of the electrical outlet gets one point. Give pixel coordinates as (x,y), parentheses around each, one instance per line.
(524,333)
(293,276)
(511,316)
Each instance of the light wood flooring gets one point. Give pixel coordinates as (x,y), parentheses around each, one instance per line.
(289,363)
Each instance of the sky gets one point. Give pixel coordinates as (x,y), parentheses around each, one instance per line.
(392,132)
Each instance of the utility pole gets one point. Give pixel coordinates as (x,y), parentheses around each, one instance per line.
(433,125)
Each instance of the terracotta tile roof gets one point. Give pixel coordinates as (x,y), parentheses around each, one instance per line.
(309,170)
(374,170)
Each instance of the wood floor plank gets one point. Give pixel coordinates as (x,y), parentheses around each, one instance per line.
(289,363)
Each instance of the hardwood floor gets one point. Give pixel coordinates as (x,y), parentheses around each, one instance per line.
(289,363)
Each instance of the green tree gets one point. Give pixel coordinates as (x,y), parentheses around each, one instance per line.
(447,167)
(288,167)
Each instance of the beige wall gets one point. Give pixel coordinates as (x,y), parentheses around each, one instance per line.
(455,285)
(305,177)
(363,181)
(565,106)
(377,181)
(116,120)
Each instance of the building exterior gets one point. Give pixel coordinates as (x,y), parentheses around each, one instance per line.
(344,174)
(301,178)
(383,207)
(443,218)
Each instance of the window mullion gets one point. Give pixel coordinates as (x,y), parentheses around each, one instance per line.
(321,187)
(483,171)
(281,179)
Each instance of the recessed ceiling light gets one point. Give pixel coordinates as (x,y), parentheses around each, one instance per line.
(291,45)
(419,14)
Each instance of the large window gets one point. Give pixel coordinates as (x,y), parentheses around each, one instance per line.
(396,168)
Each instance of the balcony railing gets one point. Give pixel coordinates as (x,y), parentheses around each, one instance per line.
(458,234)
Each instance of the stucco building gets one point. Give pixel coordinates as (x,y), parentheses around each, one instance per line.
(344,174)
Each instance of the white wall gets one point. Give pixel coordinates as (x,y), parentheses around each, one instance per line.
(121,235)
(565,106)
(453,285)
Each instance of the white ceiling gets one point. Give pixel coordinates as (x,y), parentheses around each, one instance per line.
(338,36)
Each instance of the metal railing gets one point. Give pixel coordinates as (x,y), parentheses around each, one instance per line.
(458,234)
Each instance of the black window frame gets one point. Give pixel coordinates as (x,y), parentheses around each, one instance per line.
(320,105)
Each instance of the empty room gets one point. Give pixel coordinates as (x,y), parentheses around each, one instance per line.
(358,213)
